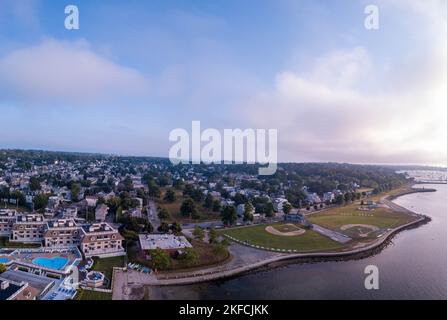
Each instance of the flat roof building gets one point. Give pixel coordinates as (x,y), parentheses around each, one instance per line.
(167,242)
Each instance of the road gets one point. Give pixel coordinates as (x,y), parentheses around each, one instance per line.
(152,215)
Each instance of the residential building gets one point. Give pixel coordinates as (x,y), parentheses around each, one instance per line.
(101,212)
(328,197)
(28,228)
(70,212)
(167,242)
(101,240)
(7,219)
(62,233)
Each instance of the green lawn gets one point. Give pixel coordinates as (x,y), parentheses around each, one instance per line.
(4,243)
(307,242)
(92,295)
(379,217)
(106,265)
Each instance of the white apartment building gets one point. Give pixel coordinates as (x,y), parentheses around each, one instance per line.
(29,228)
(62,233)
(101,240)
(7,219)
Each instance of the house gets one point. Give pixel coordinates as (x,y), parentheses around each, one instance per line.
(91,201)
(135,213)
(101,240)
(294,217)
(278,204)
(70,212)
(62,233)
(101,212)
(28,228)
(53,202)
(328,197)
(313,198)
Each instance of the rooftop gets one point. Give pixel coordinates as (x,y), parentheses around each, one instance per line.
(163,241)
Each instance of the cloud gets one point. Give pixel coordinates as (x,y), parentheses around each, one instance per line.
(66,72)
(327,113)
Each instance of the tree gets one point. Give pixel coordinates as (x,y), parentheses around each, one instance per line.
(114,203)
(34,184)
(340,200)
(269,212)
(169,196)
(229,215)
(219,249)
(19,196)
(75,190)
(212,236)
(208,201)
(40,201)
(286,208)
(248,212)
(188,208)
(2,268)
(154,189)
(163,214)
(160,259)
(216,206)
(239,198)
(198,233)
(176,228)
(163,228)
(189,256)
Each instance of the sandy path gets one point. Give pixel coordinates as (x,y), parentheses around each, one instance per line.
(276,232)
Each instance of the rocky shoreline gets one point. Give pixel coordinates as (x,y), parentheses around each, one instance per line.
(356,254)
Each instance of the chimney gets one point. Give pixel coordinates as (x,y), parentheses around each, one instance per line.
(4,285)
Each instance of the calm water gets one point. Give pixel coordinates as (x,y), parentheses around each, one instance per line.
(414,266)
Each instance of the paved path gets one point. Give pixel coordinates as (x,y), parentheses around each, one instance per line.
(152,214)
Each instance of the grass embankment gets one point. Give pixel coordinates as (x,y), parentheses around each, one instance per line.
(308,242)
(206,257)
(92,295)
(105,265)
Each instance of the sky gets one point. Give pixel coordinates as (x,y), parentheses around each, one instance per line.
(136,70)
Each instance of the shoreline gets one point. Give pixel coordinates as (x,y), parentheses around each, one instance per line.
(315,257)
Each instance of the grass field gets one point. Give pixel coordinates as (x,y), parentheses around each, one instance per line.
(337,217)
(106,265)
(92,295)
(307,242)
(286,228)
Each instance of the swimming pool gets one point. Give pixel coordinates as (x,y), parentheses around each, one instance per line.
(57,263)
(4,260)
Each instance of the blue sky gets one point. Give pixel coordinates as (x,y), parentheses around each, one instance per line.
(138,69)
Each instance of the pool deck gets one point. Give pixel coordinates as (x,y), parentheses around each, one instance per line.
(26,258)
